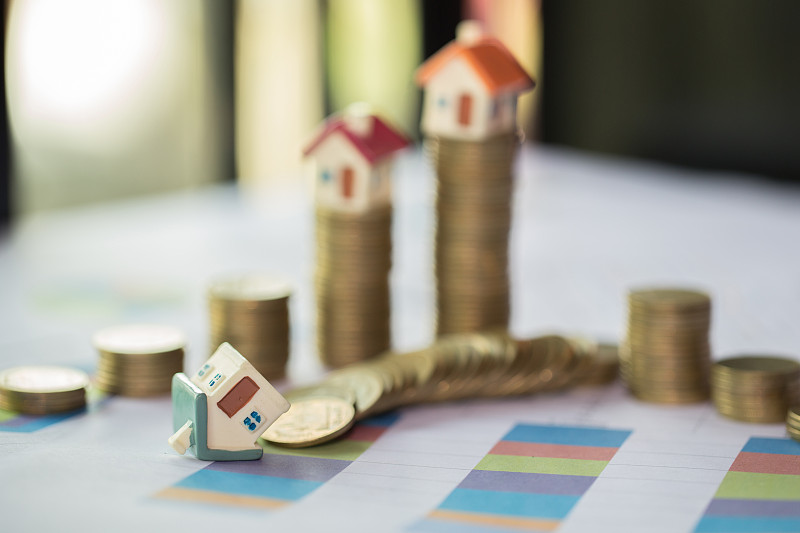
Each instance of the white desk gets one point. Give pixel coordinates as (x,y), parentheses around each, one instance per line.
(586,229)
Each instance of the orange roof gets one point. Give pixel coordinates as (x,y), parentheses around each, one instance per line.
(495,66)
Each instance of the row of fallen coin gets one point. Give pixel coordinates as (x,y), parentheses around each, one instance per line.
(455,367)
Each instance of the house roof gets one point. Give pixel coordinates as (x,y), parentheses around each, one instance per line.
(381,141)
(491,61)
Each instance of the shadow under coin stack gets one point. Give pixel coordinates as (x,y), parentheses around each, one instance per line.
(473,221)
(139,359)
(666,355)
(755,389)
(42,390)
(354,258)
(251,312)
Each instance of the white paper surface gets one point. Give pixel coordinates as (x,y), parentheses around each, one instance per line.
(585,231)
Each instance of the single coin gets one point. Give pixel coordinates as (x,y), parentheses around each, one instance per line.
(756,364)
(43,379)
(253,287)
(311,421)
(366,385)
(139,339)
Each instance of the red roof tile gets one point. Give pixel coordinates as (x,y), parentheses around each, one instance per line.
(382,140)
(494,64)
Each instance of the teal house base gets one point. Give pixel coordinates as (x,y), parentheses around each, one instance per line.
(189,403)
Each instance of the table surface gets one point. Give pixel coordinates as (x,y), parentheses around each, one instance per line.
(586,229)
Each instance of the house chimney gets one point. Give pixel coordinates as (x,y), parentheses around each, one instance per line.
(469,32)
(358,119)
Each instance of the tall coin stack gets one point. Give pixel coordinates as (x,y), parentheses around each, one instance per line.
(473,214)
(354,257)
(138,359)
(469,121)
(666,355)
(251,312)
(353,154)
(755,388)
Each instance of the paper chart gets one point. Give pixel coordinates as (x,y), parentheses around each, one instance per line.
(282,476)
(761,491)
(530,480)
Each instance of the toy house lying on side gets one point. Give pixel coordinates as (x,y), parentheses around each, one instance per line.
(352,153)
(471,87)
(221,411)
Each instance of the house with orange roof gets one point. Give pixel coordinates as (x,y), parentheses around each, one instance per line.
(352,154)
(471,87)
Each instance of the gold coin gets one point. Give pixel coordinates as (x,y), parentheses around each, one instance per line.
(139,339)
(311,421)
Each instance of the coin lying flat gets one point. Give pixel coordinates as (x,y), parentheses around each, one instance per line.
(456,366)
(311,421)
(42,389)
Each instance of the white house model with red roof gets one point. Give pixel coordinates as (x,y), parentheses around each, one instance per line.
(352,155)
(471,87)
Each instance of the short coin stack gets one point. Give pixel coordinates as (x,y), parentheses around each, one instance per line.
(666,354)
(755,389)
(354,257)
(456,366)
(251,312)
(42,390)
(138,359)
(473,222)
(793,422)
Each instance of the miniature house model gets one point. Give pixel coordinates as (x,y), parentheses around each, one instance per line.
(352,155)
(471,87)
(223,408)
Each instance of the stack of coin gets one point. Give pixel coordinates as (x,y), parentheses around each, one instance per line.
(473,221)
(755,388)
(354,257)
(793,422)
(666,354)
(42,390)
(251,312)
(138,359)
(456,366)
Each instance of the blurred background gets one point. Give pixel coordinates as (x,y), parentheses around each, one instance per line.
(110,99)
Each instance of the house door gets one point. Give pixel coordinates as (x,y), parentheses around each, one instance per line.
(347,182)
(465,109)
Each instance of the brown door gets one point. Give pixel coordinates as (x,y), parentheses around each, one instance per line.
(465,109)
(347,182)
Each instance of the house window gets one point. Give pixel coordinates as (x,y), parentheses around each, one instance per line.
(376,179)
(495,108)
(441,102)
(326,176)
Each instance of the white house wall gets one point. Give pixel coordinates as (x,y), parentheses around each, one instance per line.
(229,433)
(447,85)
(334,154)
